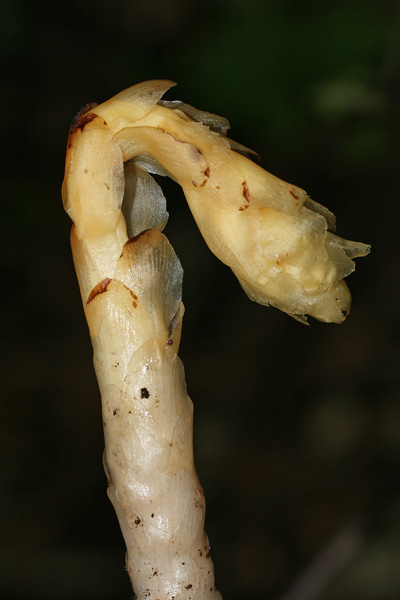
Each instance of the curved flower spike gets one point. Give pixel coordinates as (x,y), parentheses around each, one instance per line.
(269,232)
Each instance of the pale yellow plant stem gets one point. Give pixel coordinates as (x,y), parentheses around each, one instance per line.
(277,241)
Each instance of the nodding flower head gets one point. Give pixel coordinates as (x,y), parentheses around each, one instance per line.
(279,243)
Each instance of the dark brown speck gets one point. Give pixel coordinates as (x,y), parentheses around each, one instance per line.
(246,192)
(82,117)
(98,289)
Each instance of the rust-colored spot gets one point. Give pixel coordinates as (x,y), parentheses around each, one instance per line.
(294,195)
(207,172)
(243,207)
(188,586)
(134,303)
(86,119)
(169,342)
(246,192)
(85,170)
(137,521)
(155,573)
(195,184)
(82,117)
(98,289)
(107,186)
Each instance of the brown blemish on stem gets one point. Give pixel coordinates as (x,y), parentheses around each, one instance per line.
(246,192)
(206,172)
(134,303)
(82,117)
(151,234)
(294,195)
(98,289)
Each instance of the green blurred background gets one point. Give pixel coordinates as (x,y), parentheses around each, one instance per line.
(297,429)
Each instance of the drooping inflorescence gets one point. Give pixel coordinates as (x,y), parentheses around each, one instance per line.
(278,242)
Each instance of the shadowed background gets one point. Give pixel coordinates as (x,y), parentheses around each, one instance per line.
(297,429)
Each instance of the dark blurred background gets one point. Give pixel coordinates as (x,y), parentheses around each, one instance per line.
(297,429)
